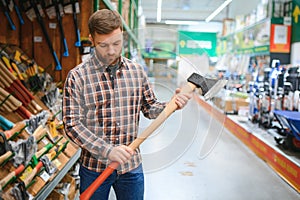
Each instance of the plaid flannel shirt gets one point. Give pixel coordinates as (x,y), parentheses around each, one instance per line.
(101,111)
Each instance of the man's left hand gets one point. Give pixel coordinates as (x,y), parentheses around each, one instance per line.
(181,99)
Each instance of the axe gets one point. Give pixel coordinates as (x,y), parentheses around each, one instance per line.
(208,88)
(12,175)
(23,150)
(19,190)
(5,148)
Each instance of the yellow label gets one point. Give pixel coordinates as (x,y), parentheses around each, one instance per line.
(26,173)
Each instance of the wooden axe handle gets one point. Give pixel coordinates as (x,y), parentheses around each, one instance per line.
(20,93)
(11,77)
(2,85)
(11,175)
(11,102)
(31,176)
(39,132)
(168,110)
(4,80)
(41,152)
(18,126)
(26,114)
(5,156)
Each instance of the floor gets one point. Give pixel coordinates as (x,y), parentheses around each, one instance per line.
(191,157)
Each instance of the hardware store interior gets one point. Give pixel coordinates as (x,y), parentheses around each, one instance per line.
(237,137)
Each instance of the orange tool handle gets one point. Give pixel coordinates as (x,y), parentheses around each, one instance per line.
(26,114)
(100,179)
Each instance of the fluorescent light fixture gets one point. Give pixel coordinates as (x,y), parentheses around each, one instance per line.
(158,11)
(181,22)
(218,10)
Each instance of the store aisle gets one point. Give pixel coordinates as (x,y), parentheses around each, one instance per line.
(192,157)
(221,167)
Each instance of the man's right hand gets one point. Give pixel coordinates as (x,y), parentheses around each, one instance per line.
(120,154)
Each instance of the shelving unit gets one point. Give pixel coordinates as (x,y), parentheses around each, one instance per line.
(47,189)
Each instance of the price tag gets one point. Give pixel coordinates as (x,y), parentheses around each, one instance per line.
(52,25)
(45,176)
(38,39)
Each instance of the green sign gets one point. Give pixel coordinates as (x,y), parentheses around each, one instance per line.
(190,43)
(296,21)
(251,40)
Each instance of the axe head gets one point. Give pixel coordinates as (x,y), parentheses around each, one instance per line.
(209,87)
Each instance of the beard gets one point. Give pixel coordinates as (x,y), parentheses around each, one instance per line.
(109,59)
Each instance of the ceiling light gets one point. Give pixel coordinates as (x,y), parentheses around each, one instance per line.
(158,11)
(218,10)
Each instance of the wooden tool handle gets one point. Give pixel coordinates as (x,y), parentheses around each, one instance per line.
(11,102)
(8,78)
(11,175)
(39,132)
(26,114)
(5,156)
(18,126)
(169,109)
(4,80)
(41,152)
(30,177)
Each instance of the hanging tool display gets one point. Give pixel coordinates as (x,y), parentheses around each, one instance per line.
(32,6)
(208,88)
(6,11)
(58,10)
(18,12)
(75,10)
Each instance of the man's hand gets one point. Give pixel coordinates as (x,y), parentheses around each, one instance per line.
(120,154)
(181,99)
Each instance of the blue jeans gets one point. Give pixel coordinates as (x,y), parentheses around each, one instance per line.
(128,186)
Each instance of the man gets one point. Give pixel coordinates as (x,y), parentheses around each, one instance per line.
(103,97)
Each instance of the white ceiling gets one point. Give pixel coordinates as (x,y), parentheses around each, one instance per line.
(195,10)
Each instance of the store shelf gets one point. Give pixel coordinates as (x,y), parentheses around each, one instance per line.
(47,189)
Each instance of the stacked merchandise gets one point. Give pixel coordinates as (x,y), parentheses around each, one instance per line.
(33,149)
(274,104)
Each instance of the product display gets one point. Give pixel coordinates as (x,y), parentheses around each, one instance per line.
(34,151)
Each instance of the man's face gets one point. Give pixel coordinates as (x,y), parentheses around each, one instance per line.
(109,46)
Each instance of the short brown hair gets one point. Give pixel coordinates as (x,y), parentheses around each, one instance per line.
(104,21)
